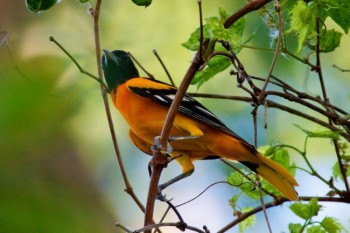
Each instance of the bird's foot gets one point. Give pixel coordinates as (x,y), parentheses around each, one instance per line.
(159,147)
(160,196)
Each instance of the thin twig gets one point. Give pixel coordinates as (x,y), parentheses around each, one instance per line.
(326,99)
(201,36)
(82,70)
(201,193)
(277,51)
(164,67)
(273,104)
(258,182)
(129,190)
(341,69)
(151,76)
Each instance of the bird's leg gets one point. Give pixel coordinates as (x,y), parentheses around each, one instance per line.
(161,187)
(187,169)
(181,158)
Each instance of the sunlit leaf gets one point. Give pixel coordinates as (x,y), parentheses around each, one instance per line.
(306,211)
(237,179)
(337,173)
(233,201)
(323,133)
(215,66)
(331,225)
(214,30)
(248,222)
(329,41)
(302,22)
(295,227)
(315,229)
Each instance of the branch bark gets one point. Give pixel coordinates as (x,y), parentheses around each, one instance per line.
(159,160)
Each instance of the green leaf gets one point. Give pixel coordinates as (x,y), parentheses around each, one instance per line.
(145,3)
(214,30)
(315,229)
(238,180)
(331,225)
(248,222)
(233,201)
(302,22)
(267,150)
(322,133)
(330,40)
(193,42)
(337,173)
(216,65)
(304,15)
(295,227)
(306,211)
(39,5)
(282,157)
(340,13)
(278,154)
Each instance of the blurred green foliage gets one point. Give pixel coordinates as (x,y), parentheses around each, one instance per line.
(44,187)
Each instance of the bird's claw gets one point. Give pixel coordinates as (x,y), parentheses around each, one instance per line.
(160,196)
(159,147)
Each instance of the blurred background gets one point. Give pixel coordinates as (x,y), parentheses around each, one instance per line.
(58,170)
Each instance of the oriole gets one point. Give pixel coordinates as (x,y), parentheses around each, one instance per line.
(144,104)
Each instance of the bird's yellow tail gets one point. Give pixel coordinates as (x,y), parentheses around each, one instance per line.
(278,176)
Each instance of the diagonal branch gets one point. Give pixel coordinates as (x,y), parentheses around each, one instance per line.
(159,160)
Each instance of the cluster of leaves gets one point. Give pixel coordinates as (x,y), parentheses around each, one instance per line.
(247,183)
(300,19)
(280,154)
(304,17)
(213,30)
(307,211)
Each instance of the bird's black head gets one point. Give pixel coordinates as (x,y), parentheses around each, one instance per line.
(117,68)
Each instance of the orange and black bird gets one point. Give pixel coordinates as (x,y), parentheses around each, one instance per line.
(144,104)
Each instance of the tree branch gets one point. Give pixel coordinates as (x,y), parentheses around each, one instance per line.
(326,99)
(159,160)
(249,7)
(277,203)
